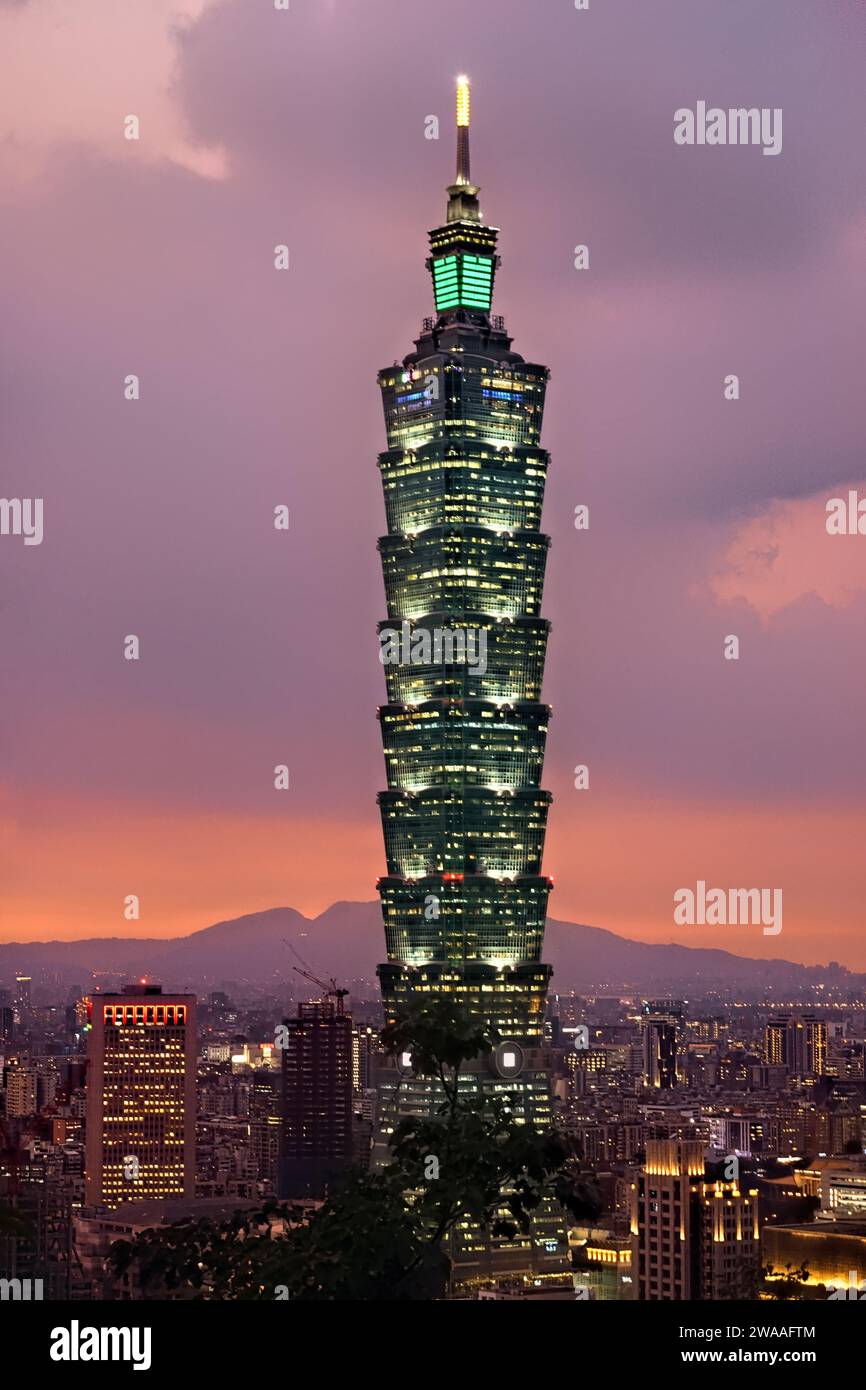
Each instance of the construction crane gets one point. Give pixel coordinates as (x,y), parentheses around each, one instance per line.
(329,990)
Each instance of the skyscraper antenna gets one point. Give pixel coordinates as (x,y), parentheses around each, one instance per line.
(463,130)
(462,193)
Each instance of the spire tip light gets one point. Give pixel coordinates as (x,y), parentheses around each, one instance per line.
(463,100)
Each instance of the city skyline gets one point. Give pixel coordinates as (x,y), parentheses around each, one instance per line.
(707,517)
(545,629)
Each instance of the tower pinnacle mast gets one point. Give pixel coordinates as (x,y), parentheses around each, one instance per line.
(463,130)
(462,193)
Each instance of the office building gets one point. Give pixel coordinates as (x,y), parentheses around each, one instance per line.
(141,1096)
(693,1237)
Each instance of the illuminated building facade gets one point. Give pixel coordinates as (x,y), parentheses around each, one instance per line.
(834,1254)
(798,1042)
(23,1003)
(602,1267)
(662,1024)
(692,1237)
(265,1124)
(365,1054)
(660,1038)
(464,815)
(21,1092)
(141,1098)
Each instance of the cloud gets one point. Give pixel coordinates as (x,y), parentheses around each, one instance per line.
(785,555)
(72,73)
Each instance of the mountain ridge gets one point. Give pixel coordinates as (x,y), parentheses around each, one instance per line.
(346,941)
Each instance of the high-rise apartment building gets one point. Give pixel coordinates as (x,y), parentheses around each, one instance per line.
(798,1042)
(316,1115)
(141,1096)
(660,1037)
(366,1052)
(693,1237)
(23,1001)
(21,1092)
(265,1115)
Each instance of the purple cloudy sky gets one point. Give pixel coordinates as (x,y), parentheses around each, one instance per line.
(258,387)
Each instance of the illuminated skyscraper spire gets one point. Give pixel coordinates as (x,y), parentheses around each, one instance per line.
(462,193)
(463,130)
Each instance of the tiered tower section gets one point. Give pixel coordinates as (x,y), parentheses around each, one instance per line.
(464,899)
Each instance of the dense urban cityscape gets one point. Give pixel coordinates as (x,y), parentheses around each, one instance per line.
(726,1138)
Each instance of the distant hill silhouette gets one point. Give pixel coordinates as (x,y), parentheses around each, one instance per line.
(347,941)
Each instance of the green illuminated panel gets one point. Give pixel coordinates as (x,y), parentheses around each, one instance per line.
(477,275)
(445,283)
(463,279)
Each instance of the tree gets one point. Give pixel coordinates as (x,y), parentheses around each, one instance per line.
(382,1234)
(785,1283)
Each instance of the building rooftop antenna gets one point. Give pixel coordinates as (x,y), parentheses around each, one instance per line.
(463,193)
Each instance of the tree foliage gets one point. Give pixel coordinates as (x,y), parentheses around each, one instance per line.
(785,1283)
(382,1234)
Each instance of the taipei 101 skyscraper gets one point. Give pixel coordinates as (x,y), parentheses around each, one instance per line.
(464,898)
